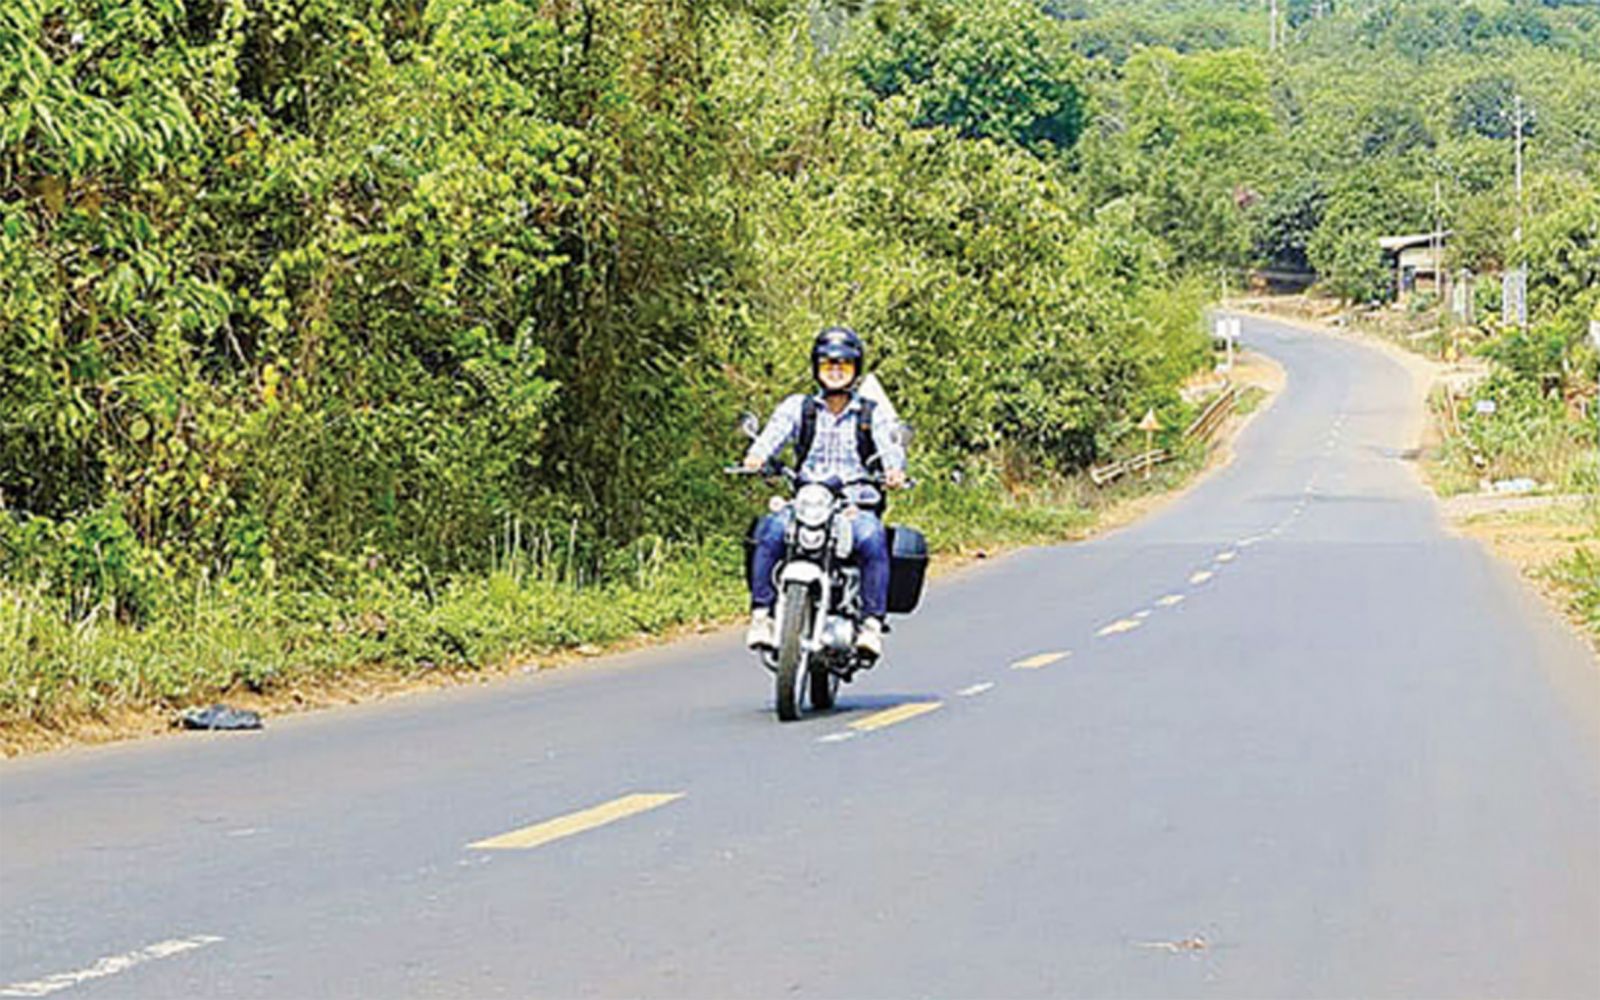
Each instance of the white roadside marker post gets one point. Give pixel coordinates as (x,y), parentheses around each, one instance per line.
(1149,425)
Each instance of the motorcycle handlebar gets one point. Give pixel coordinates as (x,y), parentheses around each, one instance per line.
(773,469)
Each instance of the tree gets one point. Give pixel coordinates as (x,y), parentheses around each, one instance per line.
(1375,200)
(998,70)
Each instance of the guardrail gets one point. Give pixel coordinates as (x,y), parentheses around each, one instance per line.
(1203,426)
(1214,414)
(1102,474)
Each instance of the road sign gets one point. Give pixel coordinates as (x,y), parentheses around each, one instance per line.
(1228,332)
(1514,297)
(1150,424)
(1594,333)
(1461,296)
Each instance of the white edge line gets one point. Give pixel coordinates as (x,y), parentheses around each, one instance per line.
(108,966)
(836,737)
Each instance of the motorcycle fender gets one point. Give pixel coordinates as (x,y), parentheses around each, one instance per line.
(802,572)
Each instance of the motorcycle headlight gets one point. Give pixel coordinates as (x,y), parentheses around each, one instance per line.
(812,505)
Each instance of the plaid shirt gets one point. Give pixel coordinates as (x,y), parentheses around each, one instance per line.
(833,449)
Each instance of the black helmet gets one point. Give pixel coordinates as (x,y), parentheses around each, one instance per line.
(838,343)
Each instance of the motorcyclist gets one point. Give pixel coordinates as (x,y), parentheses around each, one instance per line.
(837,434)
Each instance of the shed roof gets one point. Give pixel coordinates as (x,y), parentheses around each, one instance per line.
(1411,239)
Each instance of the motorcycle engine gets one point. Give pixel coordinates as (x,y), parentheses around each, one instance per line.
(838,634)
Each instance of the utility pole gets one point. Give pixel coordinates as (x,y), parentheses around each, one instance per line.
(1272,26)
(1518,119)
(1436,245)
(1440,281)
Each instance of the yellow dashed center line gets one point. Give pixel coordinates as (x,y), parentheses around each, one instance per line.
(1121,625)
(1226,556)
(891,716)
(1202,576)
(1170,600)
(1039,660)
(578,822)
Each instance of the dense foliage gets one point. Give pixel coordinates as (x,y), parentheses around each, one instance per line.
(343,296)
(311,300)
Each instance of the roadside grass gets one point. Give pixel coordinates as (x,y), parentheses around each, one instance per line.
(1523,439)
(1579,574)
(53,669)
(63,672)
(1250,400)
(224,641)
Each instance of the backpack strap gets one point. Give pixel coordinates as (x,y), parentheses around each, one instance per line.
(866,444)
(807,432)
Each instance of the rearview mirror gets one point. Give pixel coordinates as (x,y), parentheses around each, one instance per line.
(749,425)
(903,433)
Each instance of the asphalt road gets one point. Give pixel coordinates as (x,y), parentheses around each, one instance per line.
(1302,743)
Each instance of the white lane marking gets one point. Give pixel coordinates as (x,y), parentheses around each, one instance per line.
(1226,556)
(1119,626)
(968,692)
(1170,600)
(836,737)
(1202,576)
(108,966)
(1142,614)
(1245,543)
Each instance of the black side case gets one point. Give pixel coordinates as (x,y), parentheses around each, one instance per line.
(908,564)
(749,541)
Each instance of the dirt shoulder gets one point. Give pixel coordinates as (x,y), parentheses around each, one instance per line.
(1261,377)
(1540,536)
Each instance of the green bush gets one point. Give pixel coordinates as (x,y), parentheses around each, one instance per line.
(1579,574)
(1529,434)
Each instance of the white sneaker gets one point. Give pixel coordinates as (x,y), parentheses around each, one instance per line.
(869,638)
(759,634)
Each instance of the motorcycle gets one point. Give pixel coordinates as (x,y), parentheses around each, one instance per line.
(818,612)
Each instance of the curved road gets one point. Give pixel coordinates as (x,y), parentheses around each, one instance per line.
(1287,738)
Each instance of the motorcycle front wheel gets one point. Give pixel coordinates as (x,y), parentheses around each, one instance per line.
(824,687)
(798,612)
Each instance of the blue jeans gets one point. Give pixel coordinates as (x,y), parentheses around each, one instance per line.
(871,554)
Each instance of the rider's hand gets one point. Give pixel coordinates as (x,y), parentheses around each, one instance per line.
(895,479)
(753,463)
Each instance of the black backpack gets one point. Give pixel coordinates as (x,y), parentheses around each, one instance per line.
(866,446)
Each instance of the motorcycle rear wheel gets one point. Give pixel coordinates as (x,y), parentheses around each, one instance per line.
(798,610)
